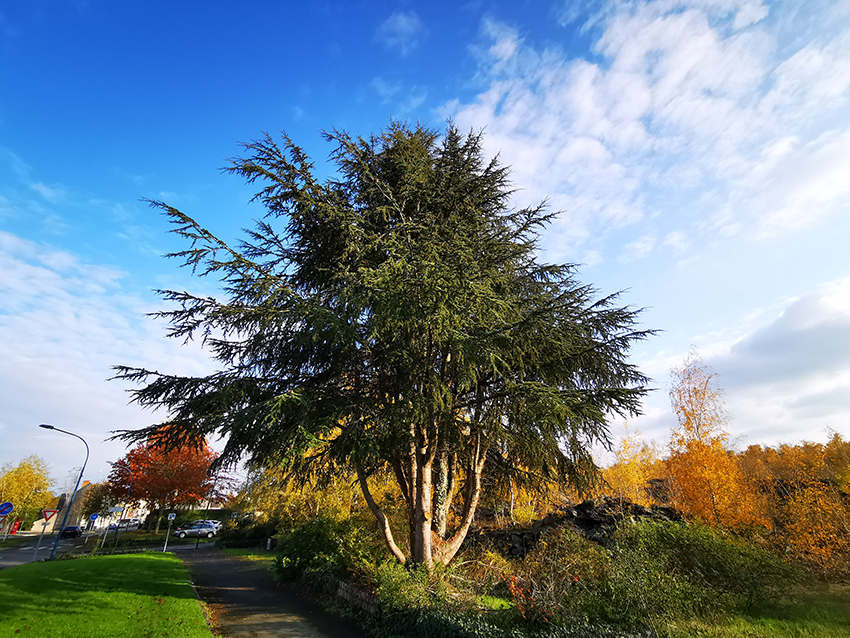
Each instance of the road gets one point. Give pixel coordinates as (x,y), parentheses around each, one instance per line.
(26,552)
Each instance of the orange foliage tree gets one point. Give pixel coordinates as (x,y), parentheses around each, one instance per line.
(706,480)
(165,479)
(809,504)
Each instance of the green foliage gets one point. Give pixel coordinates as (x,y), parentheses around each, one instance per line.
(400,587)
(398,306)
(250,529)
(651,571)
(737,573)
(322,544)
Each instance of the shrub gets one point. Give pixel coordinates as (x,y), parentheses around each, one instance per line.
(738,573)
(567,576)
(650,571)
(250,530)
(400,587)
(322,544)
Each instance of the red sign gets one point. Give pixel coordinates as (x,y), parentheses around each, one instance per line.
(48,514)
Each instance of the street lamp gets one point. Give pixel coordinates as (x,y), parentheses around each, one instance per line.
(74,493)
(126,498)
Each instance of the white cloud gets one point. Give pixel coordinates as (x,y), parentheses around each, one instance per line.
(402,32)
(677,240)
(786,379)
(50,194)
(63,324)
(639,248)
(405,99)
(692,96)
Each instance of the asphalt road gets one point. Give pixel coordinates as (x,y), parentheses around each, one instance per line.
(31,550)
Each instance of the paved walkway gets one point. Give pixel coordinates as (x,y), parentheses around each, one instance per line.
(245,601)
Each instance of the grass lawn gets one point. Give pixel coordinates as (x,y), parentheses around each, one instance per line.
(254,554)
(819,611)
(132,595)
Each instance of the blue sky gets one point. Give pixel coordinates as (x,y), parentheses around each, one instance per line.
(699,151)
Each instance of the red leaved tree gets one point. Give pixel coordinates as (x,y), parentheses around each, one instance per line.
(165,479)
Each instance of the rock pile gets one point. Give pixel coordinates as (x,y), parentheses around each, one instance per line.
(595,519)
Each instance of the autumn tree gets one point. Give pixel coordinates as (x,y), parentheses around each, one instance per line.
(808,500)
(164,478)
(398,322)
(707,480)
(27,487)
(97,499)
(636,462)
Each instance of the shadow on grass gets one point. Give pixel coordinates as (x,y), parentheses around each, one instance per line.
(126,593)
(141,574)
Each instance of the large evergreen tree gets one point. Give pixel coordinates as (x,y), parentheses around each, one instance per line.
(399,320)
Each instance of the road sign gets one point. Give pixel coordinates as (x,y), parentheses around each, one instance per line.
(48,514)
(93,517)
(171,517)
(6,508)
(117,508)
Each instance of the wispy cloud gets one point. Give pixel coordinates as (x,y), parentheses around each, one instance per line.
(405,100)
(708,96)
(403,31)
(52,195)
(63,324)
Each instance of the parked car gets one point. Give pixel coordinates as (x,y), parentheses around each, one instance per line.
(71,531)
(130,524)
(215,524)
(195,530)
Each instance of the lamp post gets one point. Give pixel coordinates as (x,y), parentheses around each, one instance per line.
(126,498)
(80,478)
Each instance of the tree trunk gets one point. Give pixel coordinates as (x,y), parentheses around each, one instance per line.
(378,514)
(422,545)
(443,489)
(470,502)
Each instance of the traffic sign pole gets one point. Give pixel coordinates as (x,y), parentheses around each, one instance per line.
(6,509)
(47,515)
(92,518)
(168,533)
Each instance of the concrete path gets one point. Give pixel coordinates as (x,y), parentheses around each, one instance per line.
(246,602)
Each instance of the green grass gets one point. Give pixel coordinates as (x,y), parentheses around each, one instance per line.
(819,611)
(135,595)
(253,554)
(494,602)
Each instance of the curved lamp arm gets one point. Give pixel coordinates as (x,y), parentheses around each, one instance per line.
(80,478)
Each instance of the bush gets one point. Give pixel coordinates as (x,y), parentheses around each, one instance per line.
(650,571)
(567,577)
(322,544)
(733,572)
(248,530)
